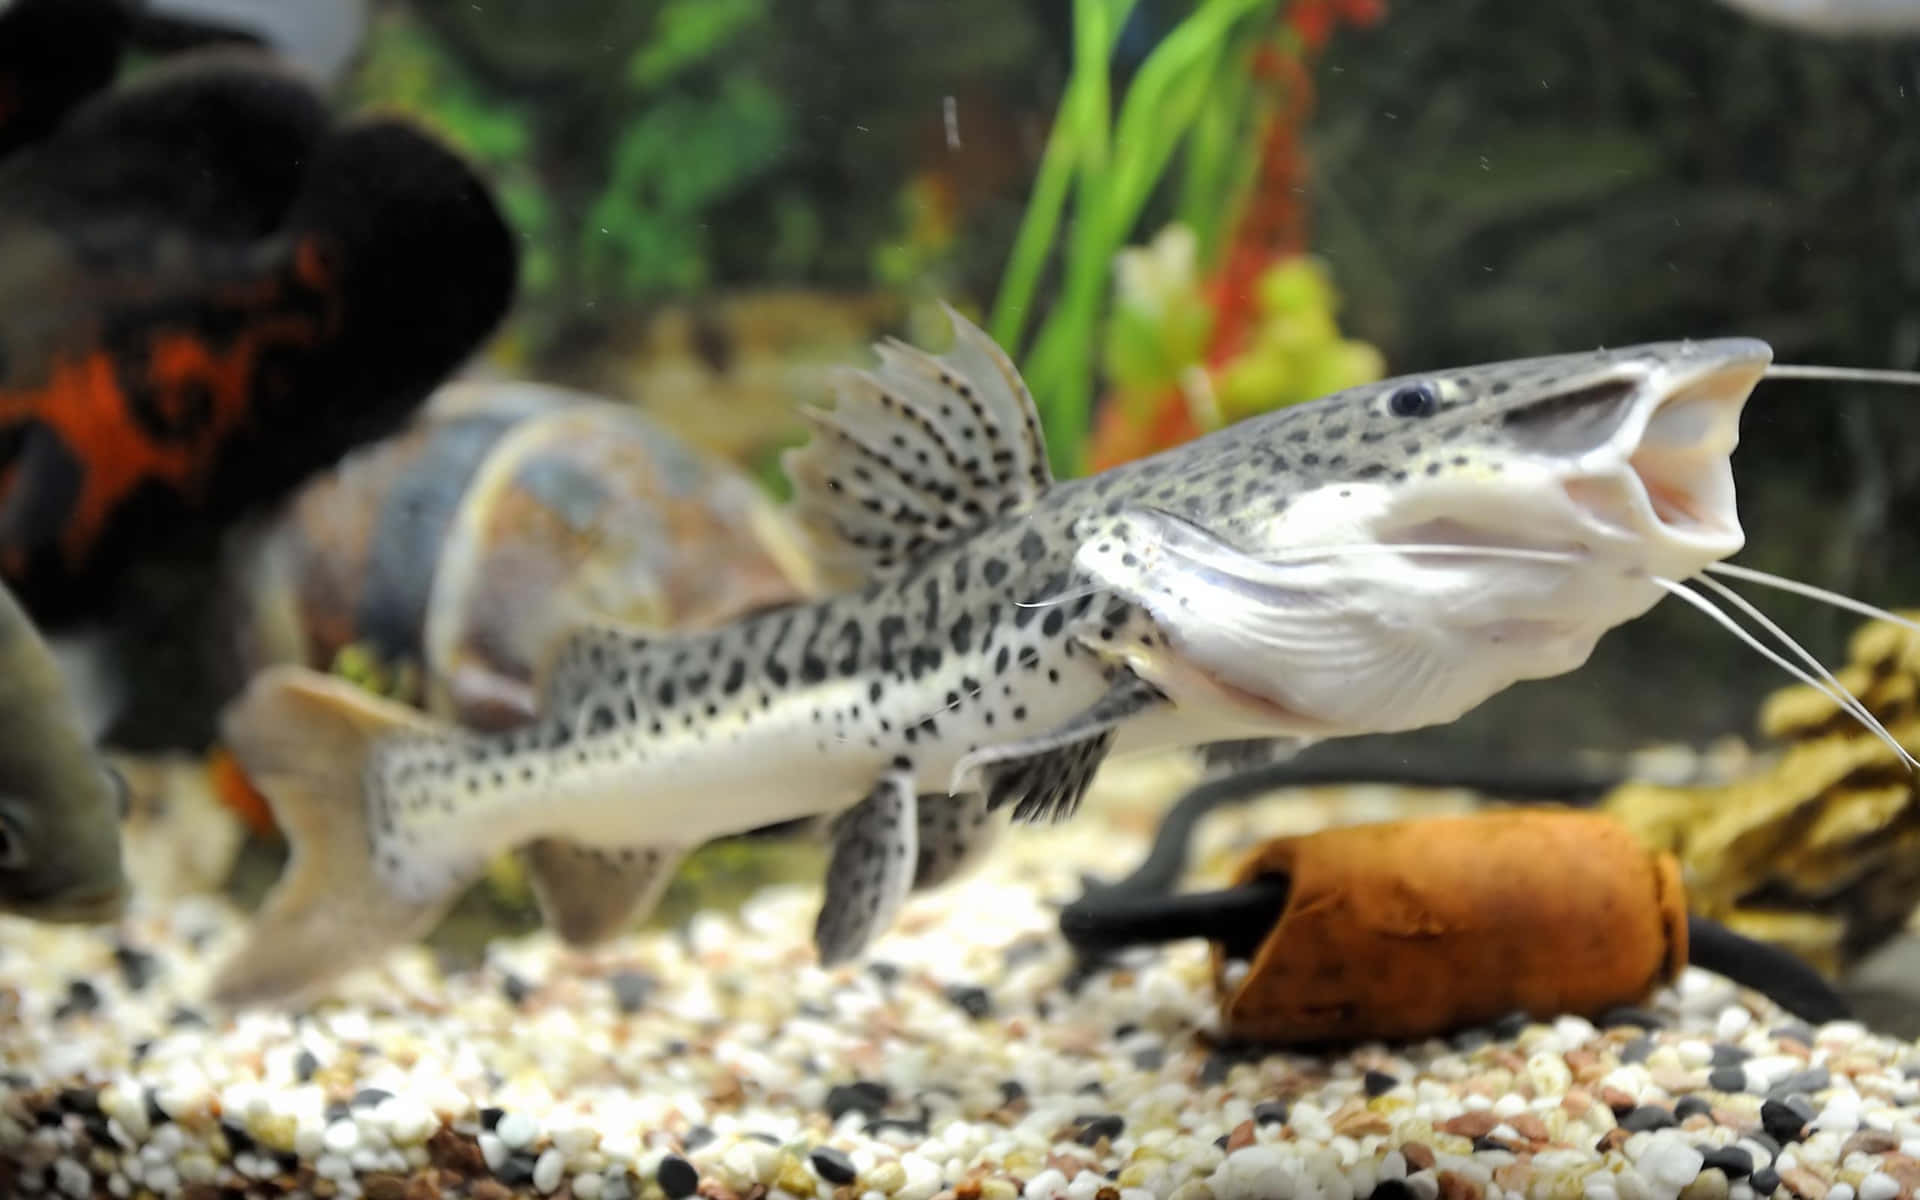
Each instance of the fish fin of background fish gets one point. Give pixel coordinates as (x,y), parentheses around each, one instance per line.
(870,870)
(44,484)
(955,834)
(916,453)
(53,55)
(587,894)
(303,739)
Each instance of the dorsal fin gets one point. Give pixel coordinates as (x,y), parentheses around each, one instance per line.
(918,452)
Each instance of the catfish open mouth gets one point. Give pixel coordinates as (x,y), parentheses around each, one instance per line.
(1668,467)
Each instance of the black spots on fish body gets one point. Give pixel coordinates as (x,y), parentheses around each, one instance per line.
(994,572)
(1053,622)
(962,633)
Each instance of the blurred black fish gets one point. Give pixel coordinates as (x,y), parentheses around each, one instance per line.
(209,291)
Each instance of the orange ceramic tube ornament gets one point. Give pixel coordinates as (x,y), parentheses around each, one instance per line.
(1412,928)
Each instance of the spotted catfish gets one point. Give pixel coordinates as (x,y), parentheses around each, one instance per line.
(1382,558)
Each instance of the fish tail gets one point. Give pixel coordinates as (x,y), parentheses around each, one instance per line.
(306,741)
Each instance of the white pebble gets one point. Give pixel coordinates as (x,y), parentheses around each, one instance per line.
(342,1137)
(1047,1185)
(1840,1191)
(548,1169)
(1732,1023)
(587,1187)
(73,1179)
(494,1151)
(1670,1161)
(517,1130)
(1878,1185)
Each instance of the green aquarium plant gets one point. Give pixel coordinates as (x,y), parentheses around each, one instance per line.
(1197,97)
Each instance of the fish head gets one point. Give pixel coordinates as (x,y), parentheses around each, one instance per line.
(1391,555)
(60,853)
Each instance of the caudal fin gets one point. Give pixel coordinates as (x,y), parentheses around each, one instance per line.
(303,738)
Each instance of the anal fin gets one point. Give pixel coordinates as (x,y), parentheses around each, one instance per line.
(587,894)
(1048,786)
(871,869)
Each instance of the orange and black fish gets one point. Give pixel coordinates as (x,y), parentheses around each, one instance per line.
(209,291)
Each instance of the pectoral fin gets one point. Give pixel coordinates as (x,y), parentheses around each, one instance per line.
(875,853)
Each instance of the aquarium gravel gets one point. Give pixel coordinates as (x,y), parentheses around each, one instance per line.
(966,1058)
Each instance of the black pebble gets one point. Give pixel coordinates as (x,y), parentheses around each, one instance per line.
(1637,1050)
(1488,1142)
(1781,1121)
(1645,1118)
(305,1066)
(974,1001)
(1270,1112)
(768,1138)
(239,1141)
(1379,1083)
(697,1136)
(1733,1162)
(1631,1015)
(518,1168)
(1812,1079)
(631,989)
(1727,1079)
(515,989)
(1392,1189)
(832,1165)
(490,1118)
(1691,1106)
(1767,1142)
(676,1177)
(1011,1090)
(155,1114)
(183,1017)
(337,1111)
(1512,1025)
(863,1096)
(1092,1087)
(84,1101)
(885,972)
(1795,1031)
(82,997)
(137,967)
(1094,1128)
(1729,1056)
(1765,1181)
(1469,1040)
(370,1097)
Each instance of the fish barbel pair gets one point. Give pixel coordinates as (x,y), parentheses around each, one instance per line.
(1384,558)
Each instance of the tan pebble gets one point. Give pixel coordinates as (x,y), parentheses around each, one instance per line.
(1455,1186)
(489,1189)
(1530,1126)
(1677,1080)
(1710,1184)
(998,1189)
(1241,1136)
(1419,1156)
(1612,1140)
(383,1186)
(1803,1183)
(1869,1141)
(1355,1119)
(793,1177)
(1514,1177)
(967,1189)
(1585,1065)
(1107,1193)
(423,1187)
(1576,1102)
(1470,1124)
(888,1177)
(200,1191)
(326,1189)
(1616,1099)
(1905,1171)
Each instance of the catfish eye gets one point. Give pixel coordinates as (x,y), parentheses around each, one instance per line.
(1413,400)
(13,845)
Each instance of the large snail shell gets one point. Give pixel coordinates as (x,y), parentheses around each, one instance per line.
(462,547)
